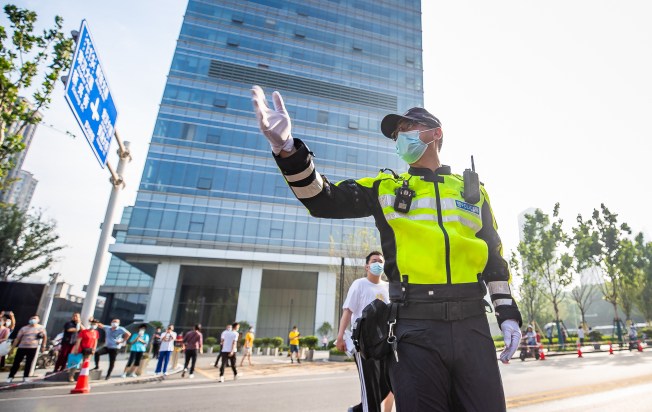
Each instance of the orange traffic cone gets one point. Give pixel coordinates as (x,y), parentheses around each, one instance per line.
(639,346)
(579,351)
(82,381)
(542,354)
(611,349)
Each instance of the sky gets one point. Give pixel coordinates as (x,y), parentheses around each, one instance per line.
(552,98)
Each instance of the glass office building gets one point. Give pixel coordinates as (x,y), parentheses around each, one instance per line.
(213,214)
(127,287)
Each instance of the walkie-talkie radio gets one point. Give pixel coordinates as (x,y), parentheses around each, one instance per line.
(471,184)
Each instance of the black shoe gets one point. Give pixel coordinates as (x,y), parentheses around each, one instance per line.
(95,368)
(107,378)
(298,361)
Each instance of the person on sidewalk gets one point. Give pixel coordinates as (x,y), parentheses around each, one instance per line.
(28,340)
(115,336)
(224,332)
(139,344)
(294,343)
(248,346)
(70,331)
(167,346)
(86,343)
(7,324)
(193,342)
(229,344)
(374,375)
(156,343)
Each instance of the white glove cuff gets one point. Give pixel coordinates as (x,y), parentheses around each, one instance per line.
(289,144)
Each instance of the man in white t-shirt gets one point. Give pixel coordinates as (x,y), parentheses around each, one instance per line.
(164,351)
(374,379)
(229,343)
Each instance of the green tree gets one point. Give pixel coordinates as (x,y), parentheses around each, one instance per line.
(23,55)
(598,243)
(27,243)
(533,306)
(325,329)
(632,277)
(643,299)
(541,255)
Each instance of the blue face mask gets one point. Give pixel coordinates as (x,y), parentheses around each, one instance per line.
(409,147)
(376,268)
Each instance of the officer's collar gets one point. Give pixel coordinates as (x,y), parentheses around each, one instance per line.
(428,174)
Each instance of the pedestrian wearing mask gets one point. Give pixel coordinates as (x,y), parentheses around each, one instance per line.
(139,344)
(27,341)
(156,343)
(442,251)
(193,342)
(70,331)
(114,337)
(167,346)
(374,377)
(86,342)
(7,322)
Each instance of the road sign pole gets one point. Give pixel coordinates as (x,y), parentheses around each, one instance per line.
(101,254)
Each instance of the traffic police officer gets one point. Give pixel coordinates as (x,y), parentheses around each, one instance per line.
(440,248)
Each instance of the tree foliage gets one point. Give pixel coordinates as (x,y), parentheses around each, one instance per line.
(541,254)
(28,243)
(532,303)
(23,55)
(599,242)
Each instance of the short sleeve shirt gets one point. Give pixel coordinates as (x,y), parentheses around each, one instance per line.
(112,335)
(229,337)
(361,293)
(167,341)
(249,340)
(294,337)
(69,337)
(88,338)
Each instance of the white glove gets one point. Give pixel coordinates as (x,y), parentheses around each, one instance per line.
(274,123)
(512,337)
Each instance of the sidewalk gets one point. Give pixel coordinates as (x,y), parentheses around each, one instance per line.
(263,365)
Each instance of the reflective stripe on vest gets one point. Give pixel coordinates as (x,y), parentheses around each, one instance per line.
(420,242)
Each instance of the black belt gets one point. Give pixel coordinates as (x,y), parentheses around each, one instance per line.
(455,310)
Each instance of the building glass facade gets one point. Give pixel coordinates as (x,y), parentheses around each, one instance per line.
(210,181)
(126,287)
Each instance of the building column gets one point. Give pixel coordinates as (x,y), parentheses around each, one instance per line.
(249,295)
(325,306)
(164,293)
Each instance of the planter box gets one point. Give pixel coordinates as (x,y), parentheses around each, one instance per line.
(337,358)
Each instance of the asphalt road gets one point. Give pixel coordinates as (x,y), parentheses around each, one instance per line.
(596,382)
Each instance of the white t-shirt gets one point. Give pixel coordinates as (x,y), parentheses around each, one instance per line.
(580,333)
(169,345)
(361,293)
(229,337)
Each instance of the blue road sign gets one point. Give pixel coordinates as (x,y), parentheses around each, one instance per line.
(88,95)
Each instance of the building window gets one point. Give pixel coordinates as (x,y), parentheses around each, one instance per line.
(220,102)
(213,138)
(322,117)
(353,123)
(237,18)
(357,47)
(300,33)
(233,42)
(204,183)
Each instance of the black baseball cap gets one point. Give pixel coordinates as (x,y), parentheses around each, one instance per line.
(417,114)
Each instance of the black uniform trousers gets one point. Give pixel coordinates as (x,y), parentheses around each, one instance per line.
(374,383)
(226,359)
(446,366)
